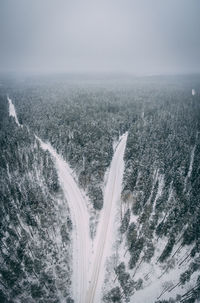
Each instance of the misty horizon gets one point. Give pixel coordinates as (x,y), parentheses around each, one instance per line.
(136,38)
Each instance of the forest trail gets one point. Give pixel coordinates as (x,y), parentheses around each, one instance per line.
(104,238)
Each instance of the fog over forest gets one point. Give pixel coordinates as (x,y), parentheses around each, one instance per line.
(132,36)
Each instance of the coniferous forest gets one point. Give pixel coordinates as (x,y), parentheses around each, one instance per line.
(158,240)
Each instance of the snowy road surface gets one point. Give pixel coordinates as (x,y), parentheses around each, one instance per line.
(80,219)
(104,238)
(79,215)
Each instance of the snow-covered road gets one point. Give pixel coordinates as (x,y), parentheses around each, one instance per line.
(80,219)
(79,214)
(104,238)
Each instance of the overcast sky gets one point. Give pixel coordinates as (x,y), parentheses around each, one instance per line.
(134,36)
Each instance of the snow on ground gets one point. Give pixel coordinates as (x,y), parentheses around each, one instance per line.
(12,111)
(161,183)
(191,163)
(159,279)
(155,178)
(106,228)
(80,219)
(55,235)
(190,167)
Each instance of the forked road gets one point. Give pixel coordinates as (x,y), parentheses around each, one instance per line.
(105,229)
(82,293)
(80,218)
